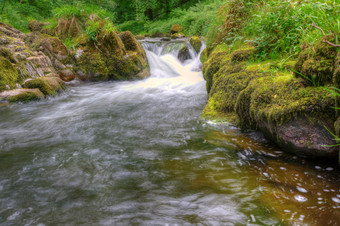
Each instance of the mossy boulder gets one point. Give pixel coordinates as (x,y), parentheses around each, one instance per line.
(177,35)
(279,105)
(315,64)
(21,95)
(8,74)
(93,63)
(67,75)
(195,43)
(176,28)
(289,114)
(204,56)
(218,61)
(47,85)
(131,43)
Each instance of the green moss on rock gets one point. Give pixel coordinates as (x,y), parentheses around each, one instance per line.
(242,54)
(8,74)
(131,43)
(196,43)
(316,64)
(204,56)
(22,95)
(177,35)
(47,85)
(280,99)
(7,54)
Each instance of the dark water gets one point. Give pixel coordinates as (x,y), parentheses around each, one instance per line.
(136,153)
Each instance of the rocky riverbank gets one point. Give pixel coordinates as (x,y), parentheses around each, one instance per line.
(277,98)
(40,63)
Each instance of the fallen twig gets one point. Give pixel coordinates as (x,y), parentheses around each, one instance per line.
(326,41)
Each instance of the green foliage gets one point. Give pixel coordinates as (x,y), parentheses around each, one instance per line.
(196,20)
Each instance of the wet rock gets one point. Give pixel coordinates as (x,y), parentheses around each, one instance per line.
(21,95)
(184,54)
(67,75)
(281,107)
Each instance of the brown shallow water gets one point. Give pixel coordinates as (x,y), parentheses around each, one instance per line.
(136,153)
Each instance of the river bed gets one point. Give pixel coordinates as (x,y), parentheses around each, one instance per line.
(137,153)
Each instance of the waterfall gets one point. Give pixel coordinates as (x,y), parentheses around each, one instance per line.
(168,72)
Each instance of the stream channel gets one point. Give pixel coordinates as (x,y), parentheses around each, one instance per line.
(137,153)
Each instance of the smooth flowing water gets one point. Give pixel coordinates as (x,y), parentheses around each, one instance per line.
(136,153)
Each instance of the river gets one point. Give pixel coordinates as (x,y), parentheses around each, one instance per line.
(137,153)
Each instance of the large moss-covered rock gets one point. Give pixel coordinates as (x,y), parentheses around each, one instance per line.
(176,28)
(195,43)
(316,63)
(21,95)
(287,112)
(8,74)
(47,85)
(131,43)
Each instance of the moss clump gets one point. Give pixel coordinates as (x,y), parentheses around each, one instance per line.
(177,35)
(242,54)
(227,87)
(7,54)
(316,64)
(131,43)
(204,56)
(110,43)
(47,85)
(196,43)
(215,61)
(22,95)
(8,74)
(36,26)
(280,99)
(176,28)
(211,113)
(94,64)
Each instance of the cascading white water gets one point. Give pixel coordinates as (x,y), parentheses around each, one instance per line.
(168,73)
